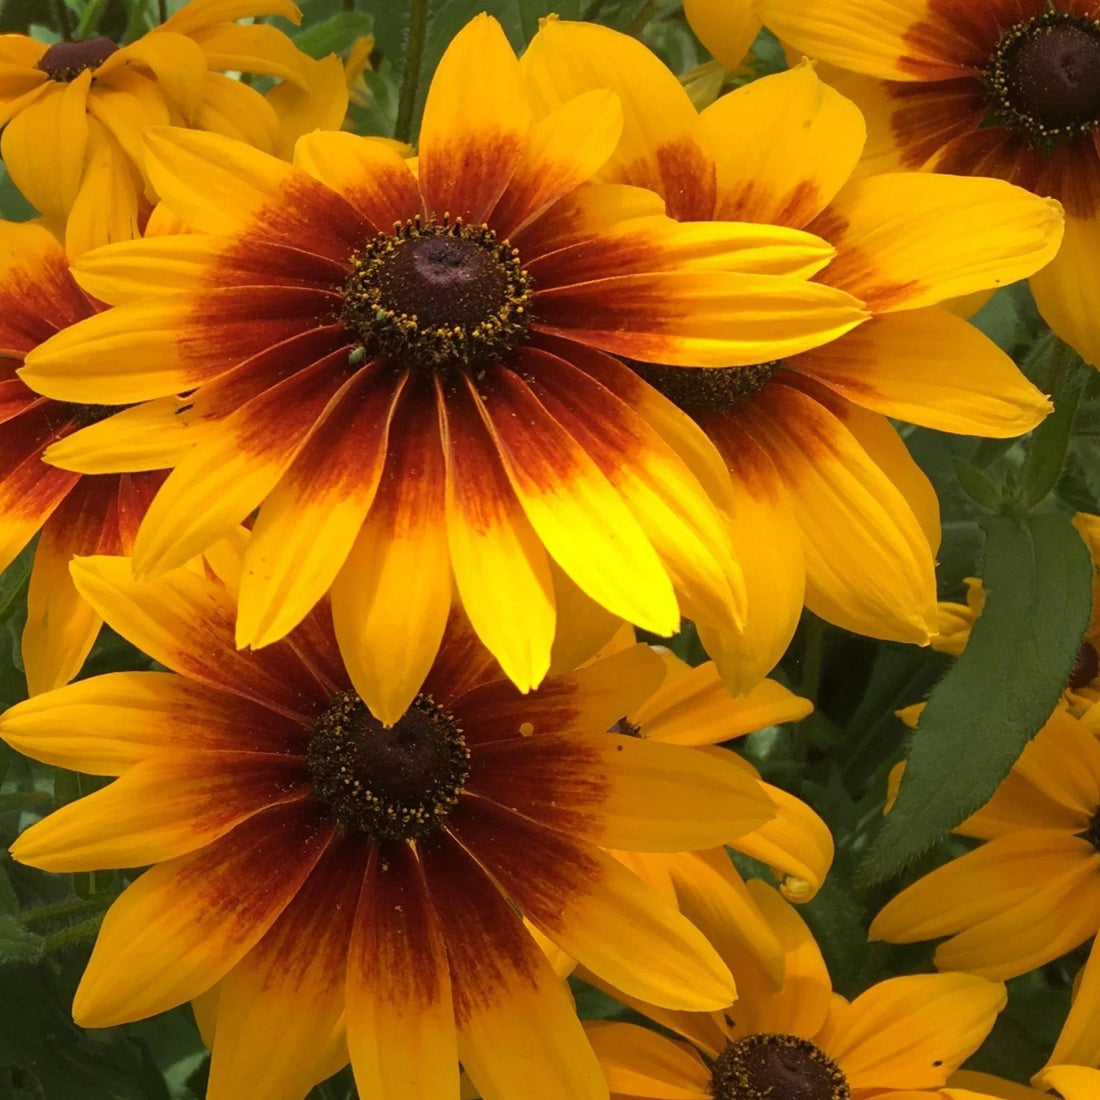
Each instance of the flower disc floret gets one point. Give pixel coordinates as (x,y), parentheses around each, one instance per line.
(702,390)
(1044,76)
(438,294)
(1086,667)
(767,1067)
(65,61)
(388,783)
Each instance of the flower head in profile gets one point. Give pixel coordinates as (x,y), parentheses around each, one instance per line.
(831,507)
(73,113)
(1031,891)
(1012,92)
(1082,690)
(73,514)
(329,885)
(901,1038)
(413,375)
(693,707)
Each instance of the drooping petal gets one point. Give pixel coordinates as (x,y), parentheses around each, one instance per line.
(518,1032)
(401,1025)
(1076,1043)
(163,807)
(1071,1082)
(782,146)
(310,520)
(869,564)
(931,368)
(580,518)
(658,149)
(252,48)
(910,239)
(595,910)
(621,792)
(174,59)
(475,132)
(698,319)
(185,621)
(234,465)
(280,1027)
(727,29)
(109,723)
(391,598)
(490,536)
(185,924)
(1067,290)
(913,1031)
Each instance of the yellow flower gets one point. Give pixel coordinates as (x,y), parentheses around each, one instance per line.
(831,504)
(1082,689)
(75,514)
(901,1038)
(1014,93)
(339,886)
(410,375)
(73,113)
(727,28)
(693,707)
(1072,1082)
(1031,892)
(356,64)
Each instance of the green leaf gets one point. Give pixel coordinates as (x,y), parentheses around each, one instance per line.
(999,693)
(1046,454)
(977,486)
(18,947)
(333,35)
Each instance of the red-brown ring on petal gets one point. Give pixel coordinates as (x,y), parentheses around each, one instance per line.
(768,1066)
(396,782)
(1044,78)
(1086,667)
(701,391)
(434,295)
(65,61)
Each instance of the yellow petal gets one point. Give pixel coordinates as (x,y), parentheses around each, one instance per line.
(639,1062)
(1067,290)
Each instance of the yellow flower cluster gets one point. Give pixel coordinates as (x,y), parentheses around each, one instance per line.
(384,455)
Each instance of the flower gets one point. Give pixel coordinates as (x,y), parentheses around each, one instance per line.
(1014,93)
(693,707)
(73,113)
(1082,689)
(75,514)
(727,28)
(409,375)
(341,881)
(356,64)
(830,503)
(897,1039)
(1072,1082)
(1031,891)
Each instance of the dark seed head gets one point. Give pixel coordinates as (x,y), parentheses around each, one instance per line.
(389,783)
(702,390)
(434,295)
(1044,78)
(65,61)
(1086,667)
(776,1067)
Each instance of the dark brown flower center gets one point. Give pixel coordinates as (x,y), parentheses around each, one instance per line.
(1092,832)
(437,294)
(702,390)
(776,1067)
(1086,667)
(1044,79)
(65,61)
(388,783)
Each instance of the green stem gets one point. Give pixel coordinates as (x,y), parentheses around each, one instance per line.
(74,934)
(162,10)
(64,20)
(645,14)
(61,910)
(813,657)
(410,79)
(89,18)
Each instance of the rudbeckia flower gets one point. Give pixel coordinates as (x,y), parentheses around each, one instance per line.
(693,707)
(351,888)
(1082,689)
(75,514)
(410,374)
(1007,88)
(73,113)
(1031,891)
(830,501)
(1072,1082)
(727,28)
(902,1038)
